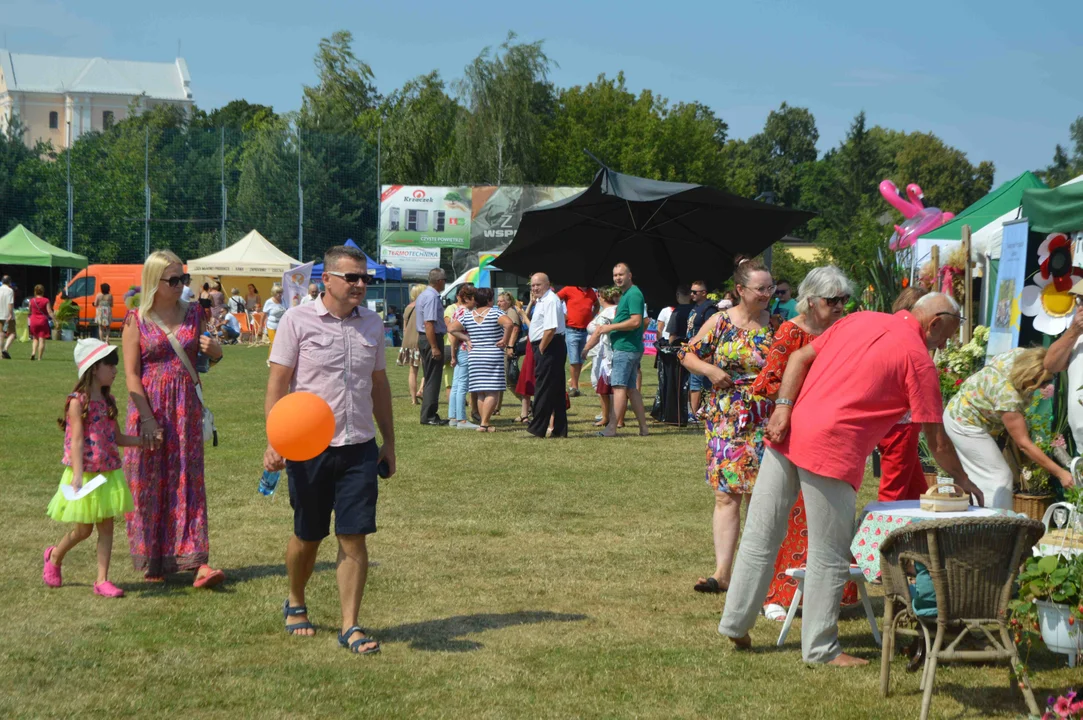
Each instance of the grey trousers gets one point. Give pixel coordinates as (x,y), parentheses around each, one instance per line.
(829,505)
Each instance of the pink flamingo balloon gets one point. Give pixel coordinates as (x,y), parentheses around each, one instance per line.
(919,219)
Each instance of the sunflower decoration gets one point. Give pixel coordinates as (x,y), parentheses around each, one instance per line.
(1048,300)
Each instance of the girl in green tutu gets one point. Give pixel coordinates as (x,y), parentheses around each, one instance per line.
(91,448)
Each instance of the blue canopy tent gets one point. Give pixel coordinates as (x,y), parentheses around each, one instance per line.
(381,272)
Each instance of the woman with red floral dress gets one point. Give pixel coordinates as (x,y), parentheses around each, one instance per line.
(167,532)
(821,300)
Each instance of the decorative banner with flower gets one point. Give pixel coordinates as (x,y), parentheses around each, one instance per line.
(1048,300)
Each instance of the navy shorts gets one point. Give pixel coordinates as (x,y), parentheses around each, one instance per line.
(340,479)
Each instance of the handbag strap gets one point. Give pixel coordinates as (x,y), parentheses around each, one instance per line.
(175,343)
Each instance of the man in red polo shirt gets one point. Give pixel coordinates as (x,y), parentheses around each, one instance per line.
(582,306)
(839,396)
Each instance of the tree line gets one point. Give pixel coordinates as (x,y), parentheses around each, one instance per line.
(502,122)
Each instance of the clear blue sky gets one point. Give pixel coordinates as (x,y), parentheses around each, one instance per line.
(999,80)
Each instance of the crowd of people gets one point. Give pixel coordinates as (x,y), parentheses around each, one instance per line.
(793,396)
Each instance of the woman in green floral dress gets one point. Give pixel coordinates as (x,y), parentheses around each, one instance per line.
(990,401)
(730,351)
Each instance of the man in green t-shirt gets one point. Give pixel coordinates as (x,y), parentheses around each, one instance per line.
(626,337)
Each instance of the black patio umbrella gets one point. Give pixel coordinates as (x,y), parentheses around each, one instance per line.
(668,234)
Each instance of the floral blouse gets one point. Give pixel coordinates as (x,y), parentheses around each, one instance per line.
(100,450)
(987,394)
(789,338)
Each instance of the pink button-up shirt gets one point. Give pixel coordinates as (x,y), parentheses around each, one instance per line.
(870,369)
(334,358)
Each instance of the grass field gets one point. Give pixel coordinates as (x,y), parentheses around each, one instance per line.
(512,578)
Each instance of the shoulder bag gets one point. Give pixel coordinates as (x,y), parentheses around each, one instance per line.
(210,431)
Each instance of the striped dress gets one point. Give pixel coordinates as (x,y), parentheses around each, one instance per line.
(486,359)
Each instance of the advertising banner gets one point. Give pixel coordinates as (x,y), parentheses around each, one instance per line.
(1004,333)
(415,262)
(432,217)
(496,214)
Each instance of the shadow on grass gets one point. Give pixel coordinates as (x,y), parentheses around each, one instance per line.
(986,701)
(445,634)
(176,582)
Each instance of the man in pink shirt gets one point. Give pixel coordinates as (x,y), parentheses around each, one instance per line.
(839,397)
(334,347)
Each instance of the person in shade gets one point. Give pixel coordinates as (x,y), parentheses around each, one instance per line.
(335,331)
(626,336)
(550,354)
(431,329)
(581,304)
(839,396)
(702,309)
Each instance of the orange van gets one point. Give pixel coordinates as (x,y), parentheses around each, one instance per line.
(86,285)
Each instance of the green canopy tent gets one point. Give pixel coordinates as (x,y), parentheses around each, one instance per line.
(22,247)
(1056,210)
(986,217)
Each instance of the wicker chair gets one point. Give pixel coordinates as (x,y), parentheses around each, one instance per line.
(973,563)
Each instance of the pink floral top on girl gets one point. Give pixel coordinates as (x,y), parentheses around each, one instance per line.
(100,450)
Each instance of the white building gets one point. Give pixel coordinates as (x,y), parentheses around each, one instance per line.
(47,93)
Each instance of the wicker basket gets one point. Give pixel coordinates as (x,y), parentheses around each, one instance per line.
(1033,506)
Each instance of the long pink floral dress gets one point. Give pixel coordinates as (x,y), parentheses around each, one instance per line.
(168,531)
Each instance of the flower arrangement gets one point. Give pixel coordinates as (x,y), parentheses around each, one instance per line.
(1052,578)
(1065,707)
(955,363)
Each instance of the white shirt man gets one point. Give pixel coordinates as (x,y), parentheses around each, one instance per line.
(313,293)
(7,316)
(548,315)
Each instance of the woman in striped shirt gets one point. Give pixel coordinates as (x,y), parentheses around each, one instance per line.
(486,330)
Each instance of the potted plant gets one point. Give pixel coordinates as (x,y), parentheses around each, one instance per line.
(1050,600)
(66,315)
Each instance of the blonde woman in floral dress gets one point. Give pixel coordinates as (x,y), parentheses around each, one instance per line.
(993,400)
(730,351)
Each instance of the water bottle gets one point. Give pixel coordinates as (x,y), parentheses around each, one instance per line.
(203,361)
(268,482)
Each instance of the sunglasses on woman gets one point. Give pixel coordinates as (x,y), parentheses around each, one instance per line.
(835,301)
(352,278)
(177,280)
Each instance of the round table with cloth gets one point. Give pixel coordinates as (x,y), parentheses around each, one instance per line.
(880,518)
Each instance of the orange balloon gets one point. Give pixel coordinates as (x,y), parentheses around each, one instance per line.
(300,426)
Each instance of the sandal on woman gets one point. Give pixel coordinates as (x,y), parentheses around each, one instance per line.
(523,419)
(288,612)
(486,428)
(774,612)
(210,577)
(344,641)
(710,585)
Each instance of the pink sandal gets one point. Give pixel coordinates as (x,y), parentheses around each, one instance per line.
(108,589)
(210,578)
(51,573)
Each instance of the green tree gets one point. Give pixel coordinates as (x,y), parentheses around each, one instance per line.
(345,91)
(418,132)
(16,203)
(510,104)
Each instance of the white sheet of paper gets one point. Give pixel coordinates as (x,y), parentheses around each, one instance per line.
(88,487)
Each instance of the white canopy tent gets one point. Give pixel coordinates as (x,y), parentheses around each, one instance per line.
(251,256)
(251,260)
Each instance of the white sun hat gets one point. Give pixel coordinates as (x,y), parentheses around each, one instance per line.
(89,351)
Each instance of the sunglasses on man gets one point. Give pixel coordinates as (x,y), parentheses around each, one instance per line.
(352,278)
(177,280)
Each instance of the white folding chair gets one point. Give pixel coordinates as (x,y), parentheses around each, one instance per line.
(855,574)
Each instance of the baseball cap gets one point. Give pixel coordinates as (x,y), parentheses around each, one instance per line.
(89,351)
